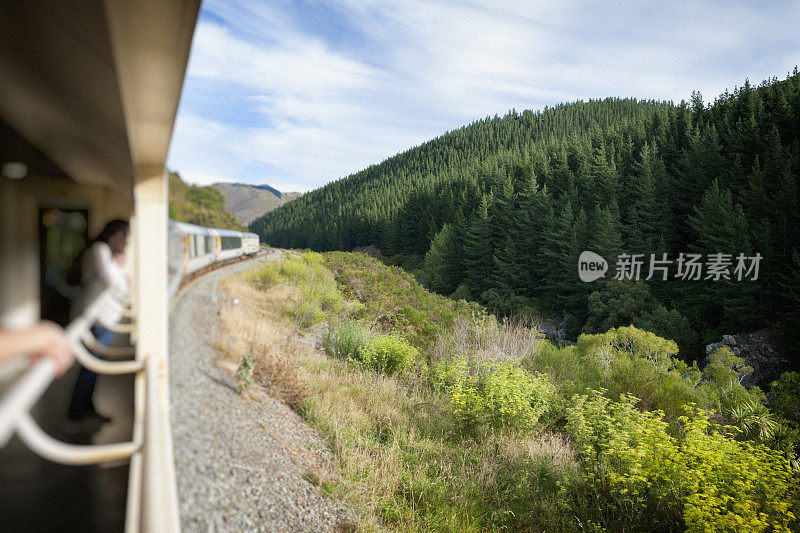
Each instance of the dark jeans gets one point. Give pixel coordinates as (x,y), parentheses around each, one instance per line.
(81,404)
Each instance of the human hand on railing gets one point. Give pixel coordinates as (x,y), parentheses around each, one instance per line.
(44,339)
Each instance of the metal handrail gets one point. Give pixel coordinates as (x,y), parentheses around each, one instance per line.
(99,366)
(71,454)
(22,396)
(151,469)
(113,352)
(117,327)
(16,404)
(152,499)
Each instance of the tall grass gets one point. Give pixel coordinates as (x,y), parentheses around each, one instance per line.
(345,338)
(257,327)
(486,339)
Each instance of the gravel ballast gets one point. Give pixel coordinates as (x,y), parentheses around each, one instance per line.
(241,465)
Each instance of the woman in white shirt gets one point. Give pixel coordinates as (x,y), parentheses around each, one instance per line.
(101,268)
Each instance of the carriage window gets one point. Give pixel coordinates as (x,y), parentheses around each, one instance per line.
(230,243)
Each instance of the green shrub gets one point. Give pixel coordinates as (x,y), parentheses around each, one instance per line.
(569,371)
(722,378)
(496,393)
(387,353)
(346,338)
(307,313)
(632,361)
(629,464)
(317,291)
(785,401)
(729,485)
(754,420)
(642,478)
(629,342)
(265,277)
(392,297)
(725,369)
(785,393)
(462,292)
(244,373)
(619,303)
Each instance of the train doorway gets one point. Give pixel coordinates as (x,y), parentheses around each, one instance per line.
(63,234)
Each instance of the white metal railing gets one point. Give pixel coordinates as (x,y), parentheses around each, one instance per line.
(152,501)
(17,402)
(27,390)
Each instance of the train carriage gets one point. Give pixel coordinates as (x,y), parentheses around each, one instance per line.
(88,99)
(193,248)
(250,243)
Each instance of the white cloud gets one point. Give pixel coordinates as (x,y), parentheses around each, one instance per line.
(270,98)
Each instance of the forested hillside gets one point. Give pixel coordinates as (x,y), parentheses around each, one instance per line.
(500,210)
(204,206)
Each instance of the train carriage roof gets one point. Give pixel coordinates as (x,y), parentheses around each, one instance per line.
(185,227)
(94,85)
(229,233)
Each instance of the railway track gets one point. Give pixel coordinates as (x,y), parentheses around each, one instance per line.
(187,279)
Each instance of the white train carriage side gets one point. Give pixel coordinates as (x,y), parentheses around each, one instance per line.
(250,243)
(192,248)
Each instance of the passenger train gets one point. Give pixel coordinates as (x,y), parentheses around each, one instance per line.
(192,248)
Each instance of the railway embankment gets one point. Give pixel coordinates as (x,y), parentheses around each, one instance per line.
(242,463)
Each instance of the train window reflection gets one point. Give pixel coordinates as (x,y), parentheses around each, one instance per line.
(230,243)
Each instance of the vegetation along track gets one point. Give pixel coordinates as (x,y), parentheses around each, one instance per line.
(240,464)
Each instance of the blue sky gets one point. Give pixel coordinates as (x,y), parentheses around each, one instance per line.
(295,94)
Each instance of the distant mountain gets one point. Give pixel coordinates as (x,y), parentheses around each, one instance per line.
(248,202)
(203,206)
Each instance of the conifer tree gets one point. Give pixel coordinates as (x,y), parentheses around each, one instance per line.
(720,227)
(790,299)
(605,237)
(479,250)
(603,178)
(444,261)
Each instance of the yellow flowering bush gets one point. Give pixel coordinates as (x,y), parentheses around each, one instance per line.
(497,393)
(643,477)
(387,353)
(734,486)
(630,462)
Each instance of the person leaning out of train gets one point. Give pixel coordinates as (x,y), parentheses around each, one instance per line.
(101,268)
